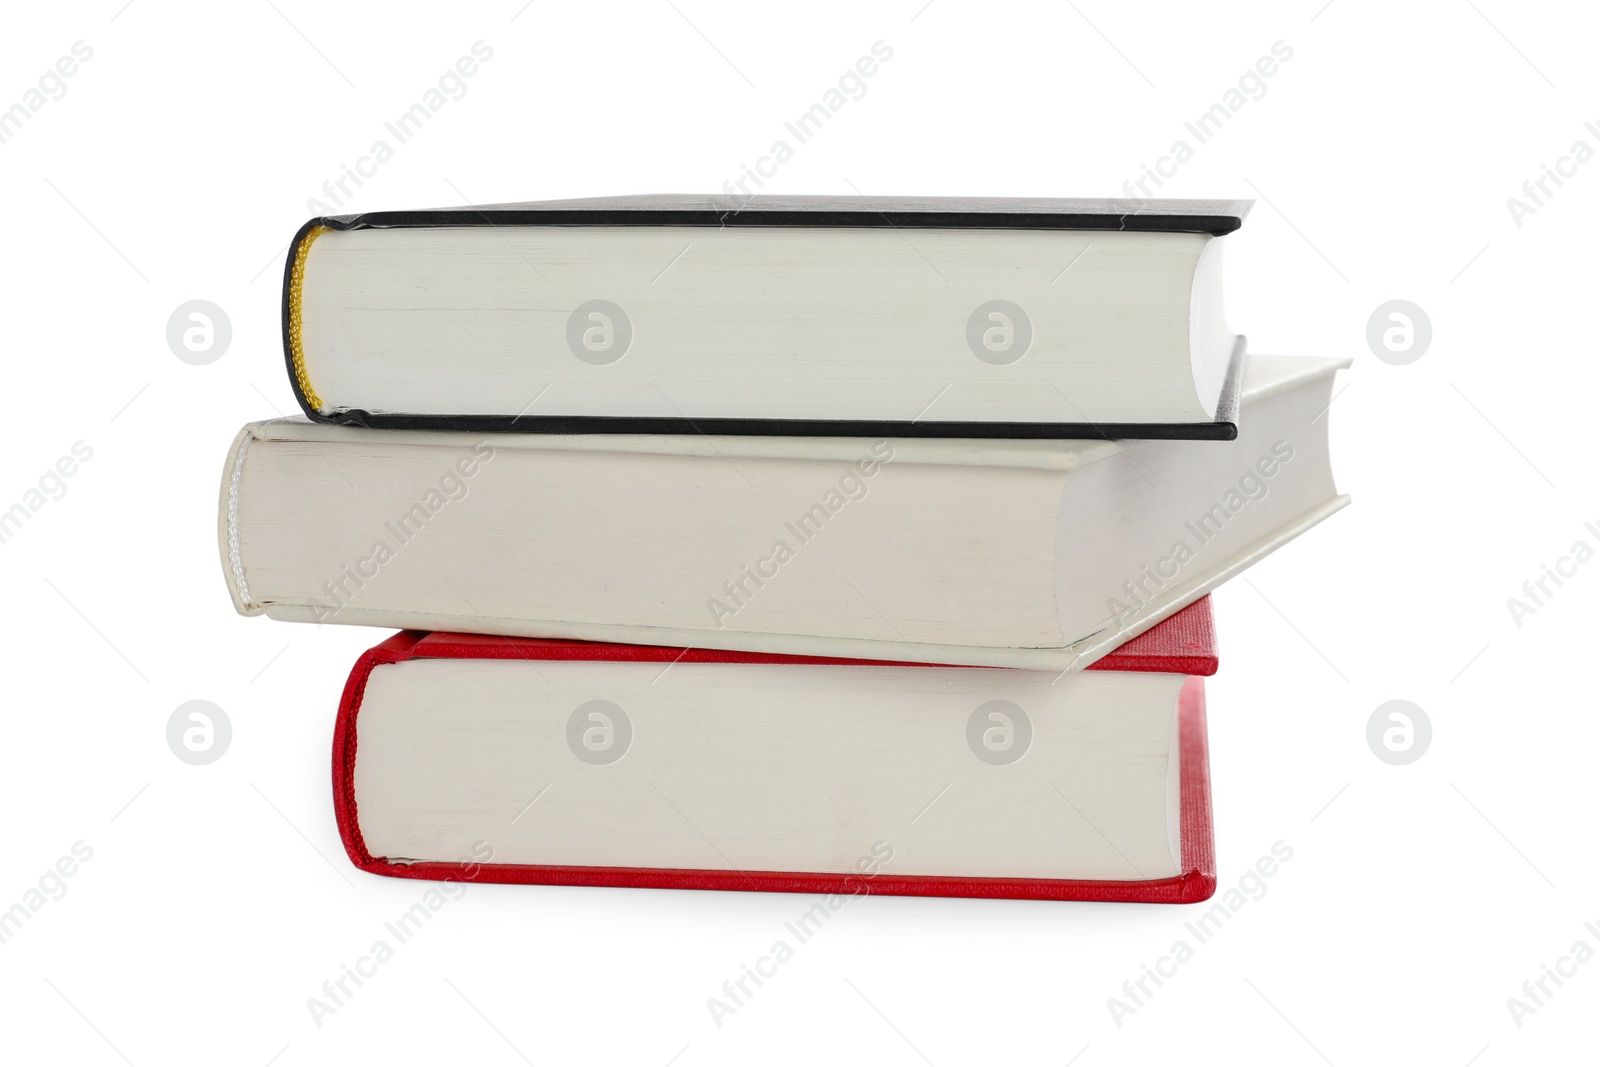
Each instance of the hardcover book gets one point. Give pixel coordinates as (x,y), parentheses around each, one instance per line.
(1043,555)
(564,763)
(837,316)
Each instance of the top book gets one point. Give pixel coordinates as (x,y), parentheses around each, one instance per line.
(840,316)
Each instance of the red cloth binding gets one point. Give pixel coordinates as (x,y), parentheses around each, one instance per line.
(1183,644)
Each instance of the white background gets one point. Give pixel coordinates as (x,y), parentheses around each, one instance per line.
(1381,156)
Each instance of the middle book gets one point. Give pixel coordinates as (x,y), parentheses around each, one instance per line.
(1041,555)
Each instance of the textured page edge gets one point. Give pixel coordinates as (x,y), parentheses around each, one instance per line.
(1072,657)
(228,526)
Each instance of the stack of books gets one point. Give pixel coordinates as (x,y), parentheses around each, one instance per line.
(808,544)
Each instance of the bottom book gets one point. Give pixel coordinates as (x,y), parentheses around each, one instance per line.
(471,758)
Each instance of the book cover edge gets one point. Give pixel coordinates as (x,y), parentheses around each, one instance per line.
(1196,882)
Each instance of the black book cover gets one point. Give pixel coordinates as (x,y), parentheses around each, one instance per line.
(1214,217)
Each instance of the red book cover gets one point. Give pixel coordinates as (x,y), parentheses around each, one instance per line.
(1183,644)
